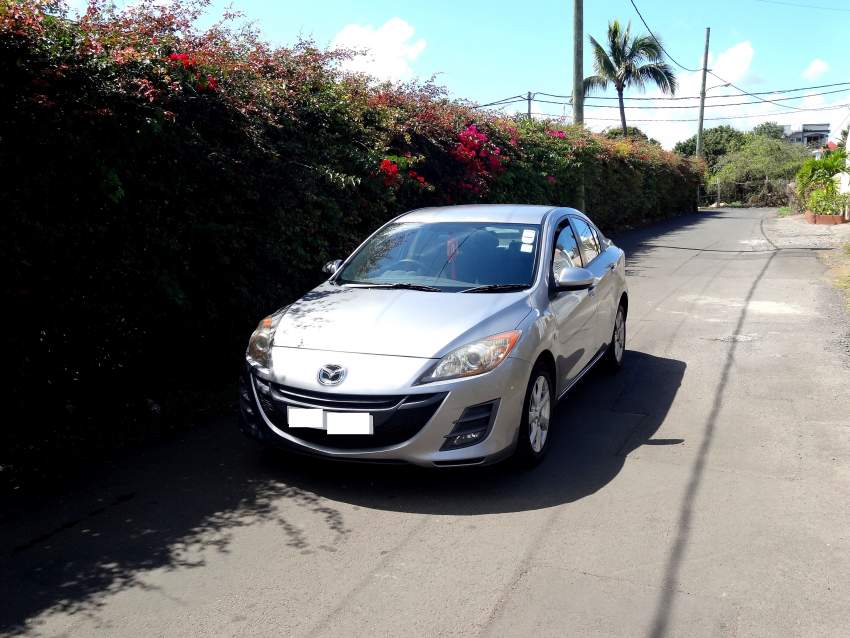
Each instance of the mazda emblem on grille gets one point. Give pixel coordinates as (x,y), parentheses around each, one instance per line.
(331,374)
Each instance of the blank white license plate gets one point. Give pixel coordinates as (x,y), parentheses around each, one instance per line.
(333,422)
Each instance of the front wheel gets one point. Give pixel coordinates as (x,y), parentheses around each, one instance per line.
(535,427)
(617,347)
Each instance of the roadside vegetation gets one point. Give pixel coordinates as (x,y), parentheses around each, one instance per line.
(761,168)
(815,187)
(164,186)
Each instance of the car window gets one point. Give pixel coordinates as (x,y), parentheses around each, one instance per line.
(451,256)
(566,253)
(587,239)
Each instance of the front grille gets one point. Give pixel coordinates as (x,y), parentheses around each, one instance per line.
(396,418)
(349,402)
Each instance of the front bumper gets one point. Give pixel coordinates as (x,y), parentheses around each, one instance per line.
(412,422)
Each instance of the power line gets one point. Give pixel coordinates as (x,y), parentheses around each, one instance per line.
(658,42)
(693,119)
(515,98)
(693,106)
(803,6)
(761,99)
(696,97)
(672,59)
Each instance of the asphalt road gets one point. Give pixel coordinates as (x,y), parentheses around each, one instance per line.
(703,491)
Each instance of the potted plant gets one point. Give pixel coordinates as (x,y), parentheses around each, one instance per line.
(826,205)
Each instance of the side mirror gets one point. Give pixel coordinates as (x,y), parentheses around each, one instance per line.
(575,279)
(332,266)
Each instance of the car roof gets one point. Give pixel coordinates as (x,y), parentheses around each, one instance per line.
(496,213)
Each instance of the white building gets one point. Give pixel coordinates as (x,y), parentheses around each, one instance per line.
(815,135)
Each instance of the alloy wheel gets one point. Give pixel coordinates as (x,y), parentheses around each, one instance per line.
(620,335)
(539,409)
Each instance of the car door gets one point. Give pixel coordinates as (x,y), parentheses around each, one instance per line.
(573,310)
(601,263)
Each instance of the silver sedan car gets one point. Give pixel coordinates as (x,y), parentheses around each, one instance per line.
(446,339)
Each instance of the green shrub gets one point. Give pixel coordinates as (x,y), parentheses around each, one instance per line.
(827,201)
(818,173)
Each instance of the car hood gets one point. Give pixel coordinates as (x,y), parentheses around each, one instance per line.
(409,323)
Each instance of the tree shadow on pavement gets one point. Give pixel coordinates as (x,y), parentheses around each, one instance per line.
(172,504)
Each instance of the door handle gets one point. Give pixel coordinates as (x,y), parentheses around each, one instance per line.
(612,266)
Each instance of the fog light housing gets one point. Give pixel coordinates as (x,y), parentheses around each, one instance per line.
(462,440)
(472,427)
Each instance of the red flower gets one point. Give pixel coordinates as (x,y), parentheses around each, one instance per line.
(181,57)
(212,83)
(390,171)
(550,179)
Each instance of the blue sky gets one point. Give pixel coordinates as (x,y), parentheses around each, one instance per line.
(484,51)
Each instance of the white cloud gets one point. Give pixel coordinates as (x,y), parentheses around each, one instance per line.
(816,68)
(390,49)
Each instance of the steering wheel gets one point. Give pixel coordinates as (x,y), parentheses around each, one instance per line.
(418,266)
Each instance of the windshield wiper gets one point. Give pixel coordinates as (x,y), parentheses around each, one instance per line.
(403,285)
(497,288)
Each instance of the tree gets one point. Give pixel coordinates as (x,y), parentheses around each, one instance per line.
(716,142)
(631,131)
(629,62)
(770,129)
(842,140)
(762,158)
(756,173)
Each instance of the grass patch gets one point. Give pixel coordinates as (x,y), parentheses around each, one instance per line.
(785,211)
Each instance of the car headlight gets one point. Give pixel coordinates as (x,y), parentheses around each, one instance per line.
(260,344)
(474,358)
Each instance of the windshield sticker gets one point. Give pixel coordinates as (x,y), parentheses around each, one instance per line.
(526,248)
(528,236)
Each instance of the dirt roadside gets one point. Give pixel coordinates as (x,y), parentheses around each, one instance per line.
(794,232)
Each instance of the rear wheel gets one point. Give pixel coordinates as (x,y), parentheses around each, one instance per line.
(535,427)
(617,347)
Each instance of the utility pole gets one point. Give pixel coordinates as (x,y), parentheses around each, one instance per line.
(529,105)
(578,62)
(578,87)
(702,92)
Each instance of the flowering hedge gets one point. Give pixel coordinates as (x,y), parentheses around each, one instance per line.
(166,186)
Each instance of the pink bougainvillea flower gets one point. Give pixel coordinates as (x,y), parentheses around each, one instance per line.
(551,179)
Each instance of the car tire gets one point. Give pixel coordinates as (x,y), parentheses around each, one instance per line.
(535,430)
(616,351)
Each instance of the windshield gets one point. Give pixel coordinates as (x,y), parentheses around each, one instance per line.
(450,256)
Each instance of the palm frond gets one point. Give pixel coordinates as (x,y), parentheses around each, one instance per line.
(647,48)
(603,66)
(595,82)
(661,75)
(615,43)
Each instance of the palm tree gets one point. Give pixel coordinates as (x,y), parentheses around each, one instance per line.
(629,62)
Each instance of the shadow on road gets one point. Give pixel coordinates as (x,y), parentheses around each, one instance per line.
(596,426)
(197,492)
